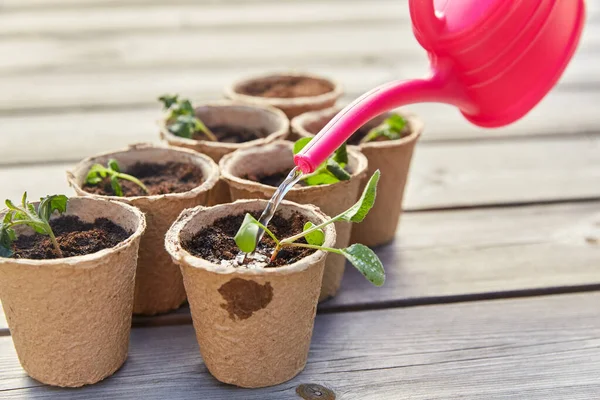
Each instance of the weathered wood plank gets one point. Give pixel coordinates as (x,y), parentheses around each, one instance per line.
(504,172)
(75,134)
(197,16)
(117,89)
(110,88)
(444,175)
(446,256)
(230,47)
(521,349)
(218,48)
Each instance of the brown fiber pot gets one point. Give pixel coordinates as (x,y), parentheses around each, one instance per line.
(159,286)
(391,157)
(70,318)
(331,199)
(290,106)
(264,338)
(268,119)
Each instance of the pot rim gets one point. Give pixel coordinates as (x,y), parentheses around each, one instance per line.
(209,182)
(231,159)
(87,259)
(335,93)
(282,130)
(182,257)
(415,124)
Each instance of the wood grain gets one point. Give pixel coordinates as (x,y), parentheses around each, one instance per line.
(76,134)
(504,172)
(518,349)
(197,16)
(443,175)
(447,256)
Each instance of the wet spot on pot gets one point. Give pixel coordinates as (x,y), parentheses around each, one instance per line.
(592,240)
(245,297)
(312,391)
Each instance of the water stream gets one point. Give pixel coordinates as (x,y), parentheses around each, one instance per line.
(293,177)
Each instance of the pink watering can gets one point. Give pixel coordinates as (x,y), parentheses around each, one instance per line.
(493,59)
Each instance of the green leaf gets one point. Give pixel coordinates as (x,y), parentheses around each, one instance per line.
(95,175)
(396,123)
(50,204)
(323,178)
(359,211)
(7,236)
(168,100)
(300,144)
(367,262)
(11,205)
(316,238)
(24,200)
(392,128)
(116,186)
(245,238)
(337,170)
(185,108)
(184,126)
(341,155)
(114,165)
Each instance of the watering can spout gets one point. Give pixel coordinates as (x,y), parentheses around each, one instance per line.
(492,59)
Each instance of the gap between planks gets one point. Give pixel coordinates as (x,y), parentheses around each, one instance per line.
(470,255)
(520,348)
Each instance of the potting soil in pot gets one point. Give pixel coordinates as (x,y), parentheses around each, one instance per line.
(75,238)
(171,177)
(216,243)
(287,87)
(233,134)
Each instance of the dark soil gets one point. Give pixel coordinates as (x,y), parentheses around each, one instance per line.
(171,177)
(215,243)
(233,134)
(287,87)
(274,180)
(74,237)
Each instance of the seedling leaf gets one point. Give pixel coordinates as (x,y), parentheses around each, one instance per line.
(49,204)
(114,165)
(38,220)
(116,186)
(323,178)
(316,238)
(301,144)
(341,155)
(168,100)
(245,238)
(367,262)
(98,172)
(337,170)
(359,211)
(392,128)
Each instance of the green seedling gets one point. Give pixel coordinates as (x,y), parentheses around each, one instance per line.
(27,214)
(182,120)
(363,258)
(331,171)
(392,128)
(98,172)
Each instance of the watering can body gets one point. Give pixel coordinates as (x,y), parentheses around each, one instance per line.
(493,59)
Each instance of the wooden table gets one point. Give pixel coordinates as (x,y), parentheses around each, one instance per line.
(494,277)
